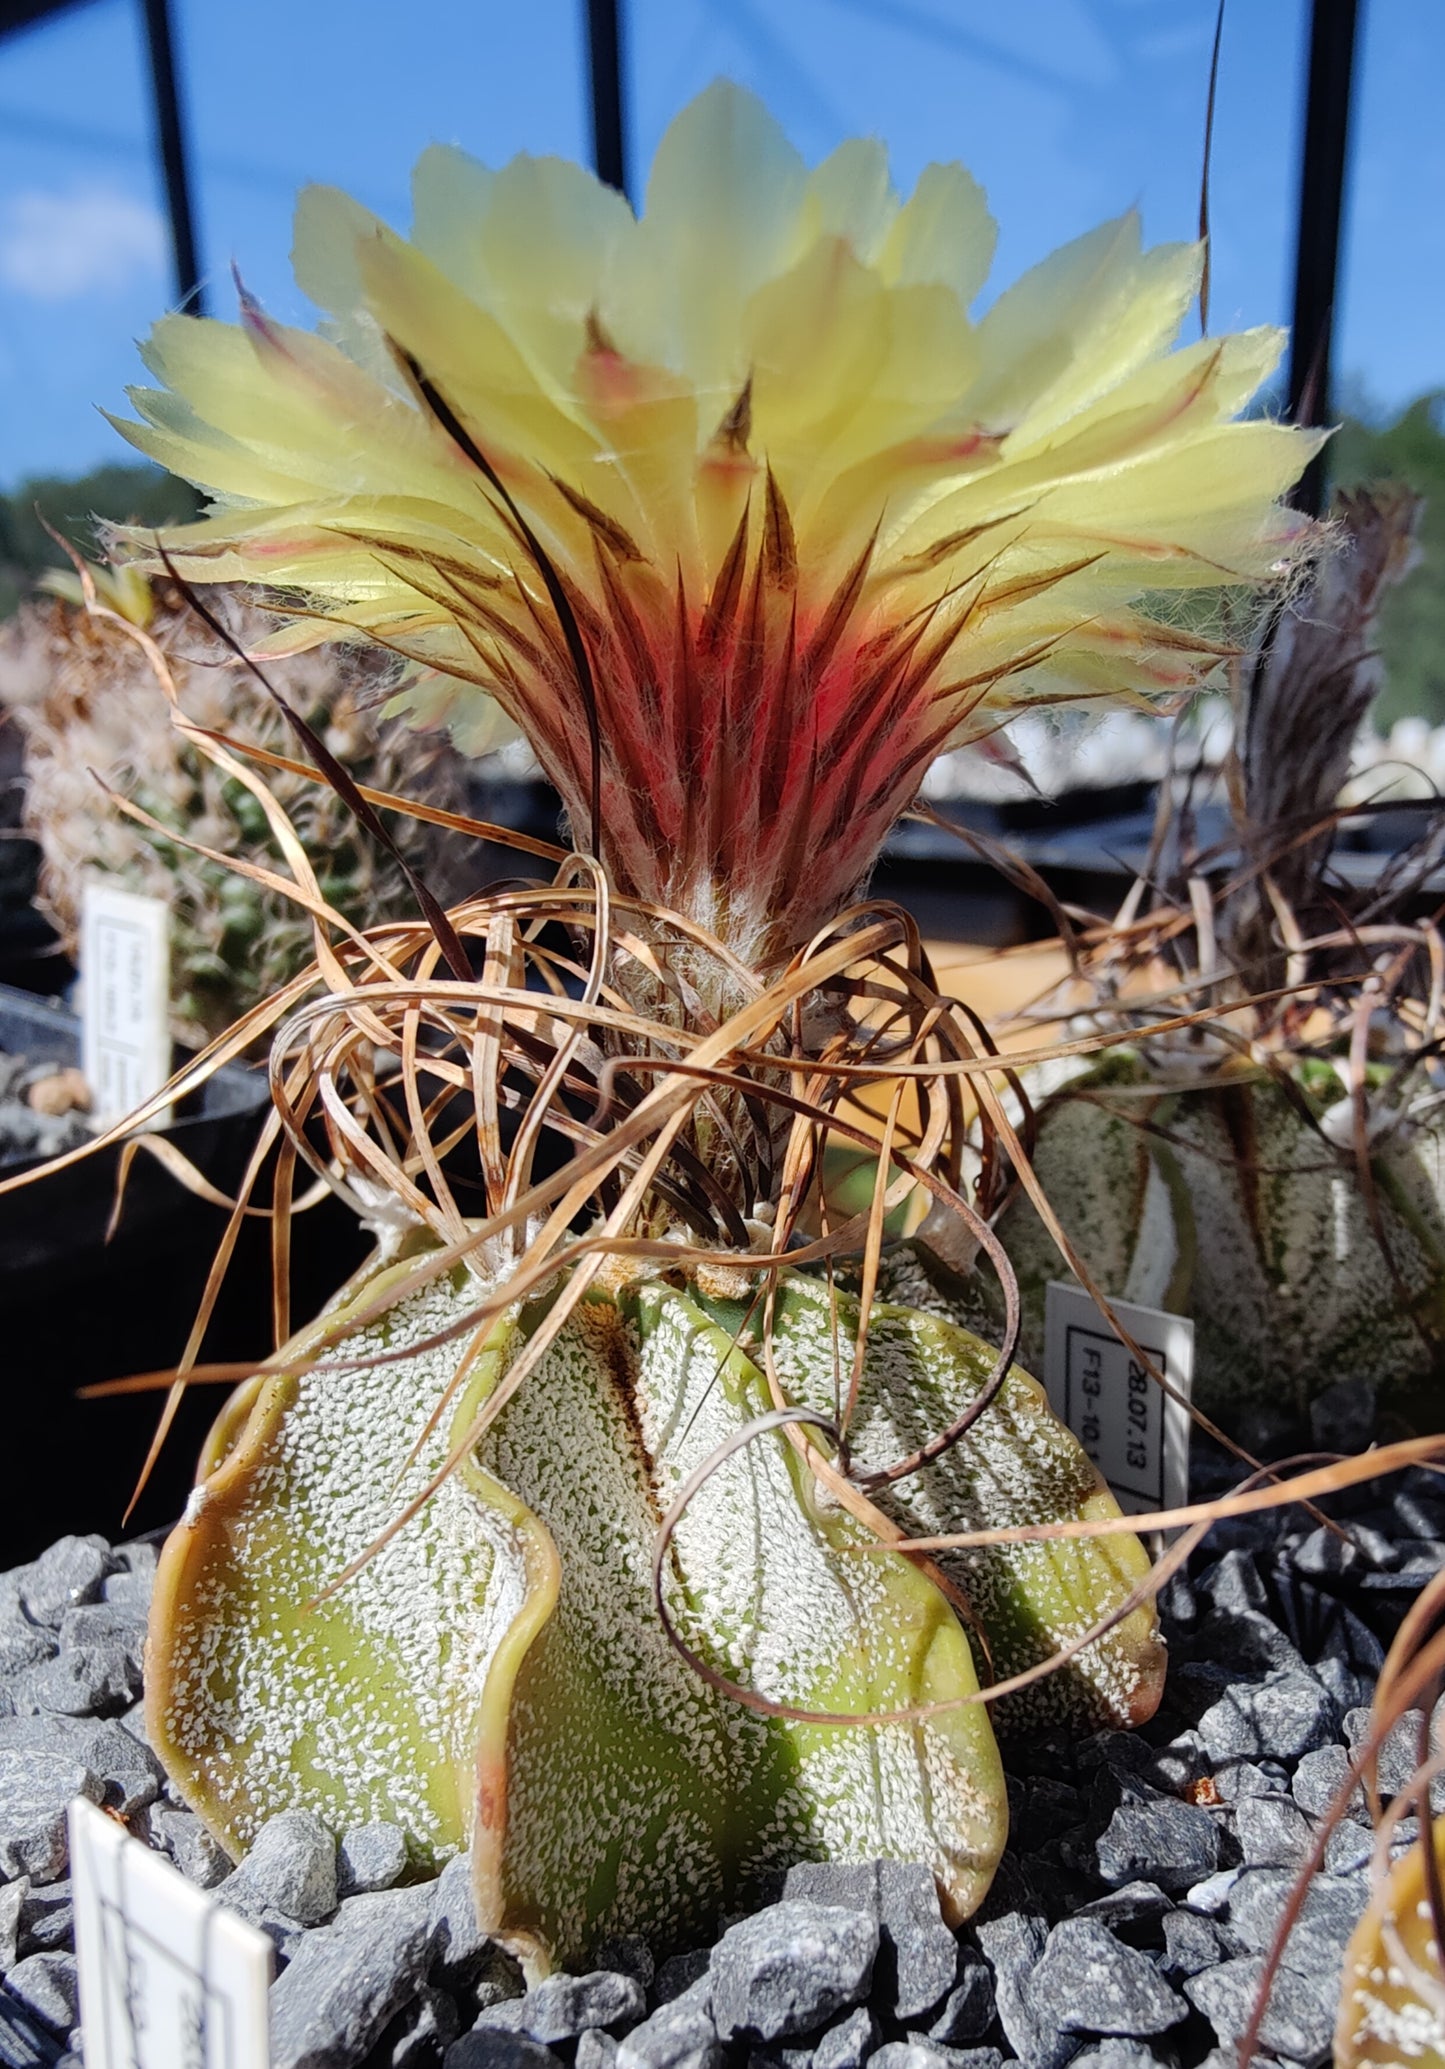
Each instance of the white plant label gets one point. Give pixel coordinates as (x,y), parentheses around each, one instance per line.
(125,984)
(1136,1434)
(168,1979)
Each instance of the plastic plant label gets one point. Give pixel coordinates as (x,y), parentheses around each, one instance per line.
(168,1978)
(124,997)
(1136,1434)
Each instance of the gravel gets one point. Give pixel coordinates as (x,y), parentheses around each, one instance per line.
(1143,1884)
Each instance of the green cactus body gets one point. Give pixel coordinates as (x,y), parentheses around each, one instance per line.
(496,1674)
(1225,1204)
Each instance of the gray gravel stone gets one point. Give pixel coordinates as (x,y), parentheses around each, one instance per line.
(967,2012)
(1331,1910)
(1114,2053)
(1191,1943)
(927,2054)
(35,1792)
(596,2050)
(24,2042)
(130,1587)
(130,1771)
(679,2035)
(46,1985)
(562,2007)
(1273,1832)
(788,1968)
(462,1948)
(1159,1839)
(181,1834)
(12,1904)
(67,1573)
(489,2048)
(1013,1945)
(847,2043)
(370,1857)
(1237,1779)
(347,1980)
(23,1644)
(1089,1982)
(1349,1848)
(1319,1778)
(917,1954)
(291,1868)
(104,1623)
(83,1681)
(47,1920)
(1284,1716)
(1300,2018)
(424,2031)
(1398,1755)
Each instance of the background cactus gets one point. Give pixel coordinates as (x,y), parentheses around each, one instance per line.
(87,702)
(1277,1173)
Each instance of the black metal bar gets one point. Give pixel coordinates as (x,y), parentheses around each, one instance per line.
(25,14)
(171,136)
(1333,26)
(604,65)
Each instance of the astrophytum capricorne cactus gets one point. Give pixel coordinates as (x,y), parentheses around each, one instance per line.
(1280,1179)
(737,514)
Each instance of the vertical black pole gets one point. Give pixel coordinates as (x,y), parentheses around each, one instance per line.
(604,64)
(170,134)
(1317,257)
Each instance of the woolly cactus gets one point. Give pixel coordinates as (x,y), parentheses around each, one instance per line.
(573,1535)
(85,697)
(1283,1181)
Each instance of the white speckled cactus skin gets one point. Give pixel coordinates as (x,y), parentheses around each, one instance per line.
(497,1676)
(1224,1204)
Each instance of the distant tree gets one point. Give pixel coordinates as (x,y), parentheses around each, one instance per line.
(73,507)
(1412,623)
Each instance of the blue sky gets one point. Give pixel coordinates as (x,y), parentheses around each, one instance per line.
(1067,110)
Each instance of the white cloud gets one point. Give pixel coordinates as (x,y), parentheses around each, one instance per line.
(54,247)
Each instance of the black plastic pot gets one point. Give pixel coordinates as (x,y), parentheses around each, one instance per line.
(76,1309)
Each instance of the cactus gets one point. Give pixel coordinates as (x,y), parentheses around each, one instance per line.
(573,1534)
(1281,1182)
(85,698)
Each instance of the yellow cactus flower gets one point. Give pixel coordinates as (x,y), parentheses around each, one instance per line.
(731,508)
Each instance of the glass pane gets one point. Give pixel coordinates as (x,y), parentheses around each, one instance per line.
(1068,111)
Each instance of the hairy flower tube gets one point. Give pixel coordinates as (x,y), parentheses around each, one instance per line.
(571,1532)
(806,522)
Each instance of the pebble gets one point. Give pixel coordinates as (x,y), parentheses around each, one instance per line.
(1175,1844)
(917,1954)
(12,1904)
(790,1967)
(421,2033)
(24,2042)
(681,2034)
(846,2044)
(370,1857)
(129,1771)
(1191,1942)
(926,2054)
(486,2048)
(291,1868)
(1320,1777)
(967,2012)
(46,1985)
(35,1793)
(83,1681)
(1089,1982)
(562,2007)
(1273,1832)
(181,1834)
(1300,2019)
(1285,1715)
(47,1918)
(346,1981)
(67,1573)
(1329,1914)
